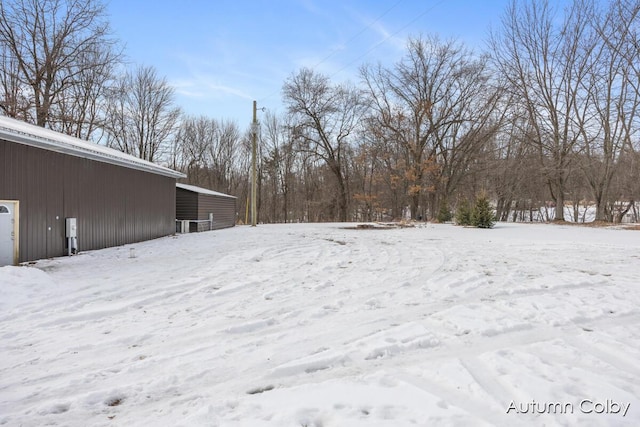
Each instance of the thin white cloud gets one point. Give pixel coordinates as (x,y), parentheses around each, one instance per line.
(228,90)
(189,93)
(200,86)
(387,36)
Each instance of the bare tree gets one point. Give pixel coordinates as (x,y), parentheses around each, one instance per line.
(15,101)
(437,105)
(392,160)
(611,98)
(209,150)
(141,117)
(626,188)
(506,164)
(326,117)
(366,177)
(80,110)
(49,46)
(279,159)
(224,155)
(545,61)
(192,142)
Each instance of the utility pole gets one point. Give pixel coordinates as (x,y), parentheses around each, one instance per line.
(254,128)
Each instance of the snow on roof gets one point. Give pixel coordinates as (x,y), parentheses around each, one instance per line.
(47,139)
(201,190)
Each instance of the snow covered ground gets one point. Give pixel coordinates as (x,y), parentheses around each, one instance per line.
(327,325)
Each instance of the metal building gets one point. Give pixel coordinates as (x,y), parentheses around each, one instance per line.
(53,184)
(204,209)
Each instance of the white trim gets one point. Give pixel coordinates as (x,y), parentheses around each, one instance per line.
(201,190)
(36,136)
(16,229)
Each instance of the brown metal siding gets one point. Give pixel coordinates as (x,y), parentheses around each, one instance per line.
(53,198)
(223,209)
(197,206)
(114,205)
(186,204)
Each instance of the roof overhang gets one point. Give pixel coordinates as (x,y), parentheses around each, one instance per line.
(23,133)
(201,190)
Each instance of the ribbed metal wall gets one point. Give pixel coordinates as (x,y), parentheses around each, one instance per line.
(223,209)
(192,205)
(114,205)
(186,204)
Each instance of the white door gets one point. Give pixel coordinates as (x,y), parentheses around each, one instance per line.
(8,233)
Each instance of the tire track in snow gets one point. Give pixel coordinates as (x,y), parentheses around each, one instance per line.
(524,337)
(469,404)
(612,358)
(467,350)
(490,383)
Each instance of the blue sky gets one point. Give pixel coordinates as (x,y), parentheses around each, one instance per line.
(220,55)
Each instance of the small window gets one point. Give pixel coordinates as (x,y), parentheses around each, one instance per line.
(4,209)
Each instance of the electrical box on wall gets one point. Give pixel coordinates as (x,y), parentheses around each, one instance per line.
(72,228)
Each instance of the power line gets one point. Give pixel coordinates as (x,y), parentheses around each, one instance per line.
(365,28)
(388,37)
(352,38)
(359,32)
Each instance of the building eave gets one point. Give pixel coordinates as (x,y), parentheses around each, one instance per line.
(34,136)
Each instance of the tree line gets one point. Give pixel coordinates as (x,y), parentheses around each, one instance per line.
(543,121)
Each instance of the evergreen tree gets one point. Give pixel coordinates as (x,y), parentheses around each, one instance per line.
(444,215)
(482,215)
(463,214)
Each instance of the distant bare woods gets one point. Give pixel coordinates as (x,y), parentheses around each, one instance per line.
(548,115)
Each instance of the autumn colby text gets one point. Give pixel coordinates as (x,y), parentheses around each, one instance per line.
(585,406)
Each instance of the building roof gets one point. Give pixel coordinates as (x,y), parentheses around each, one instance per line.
(201,190)
(39,137)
